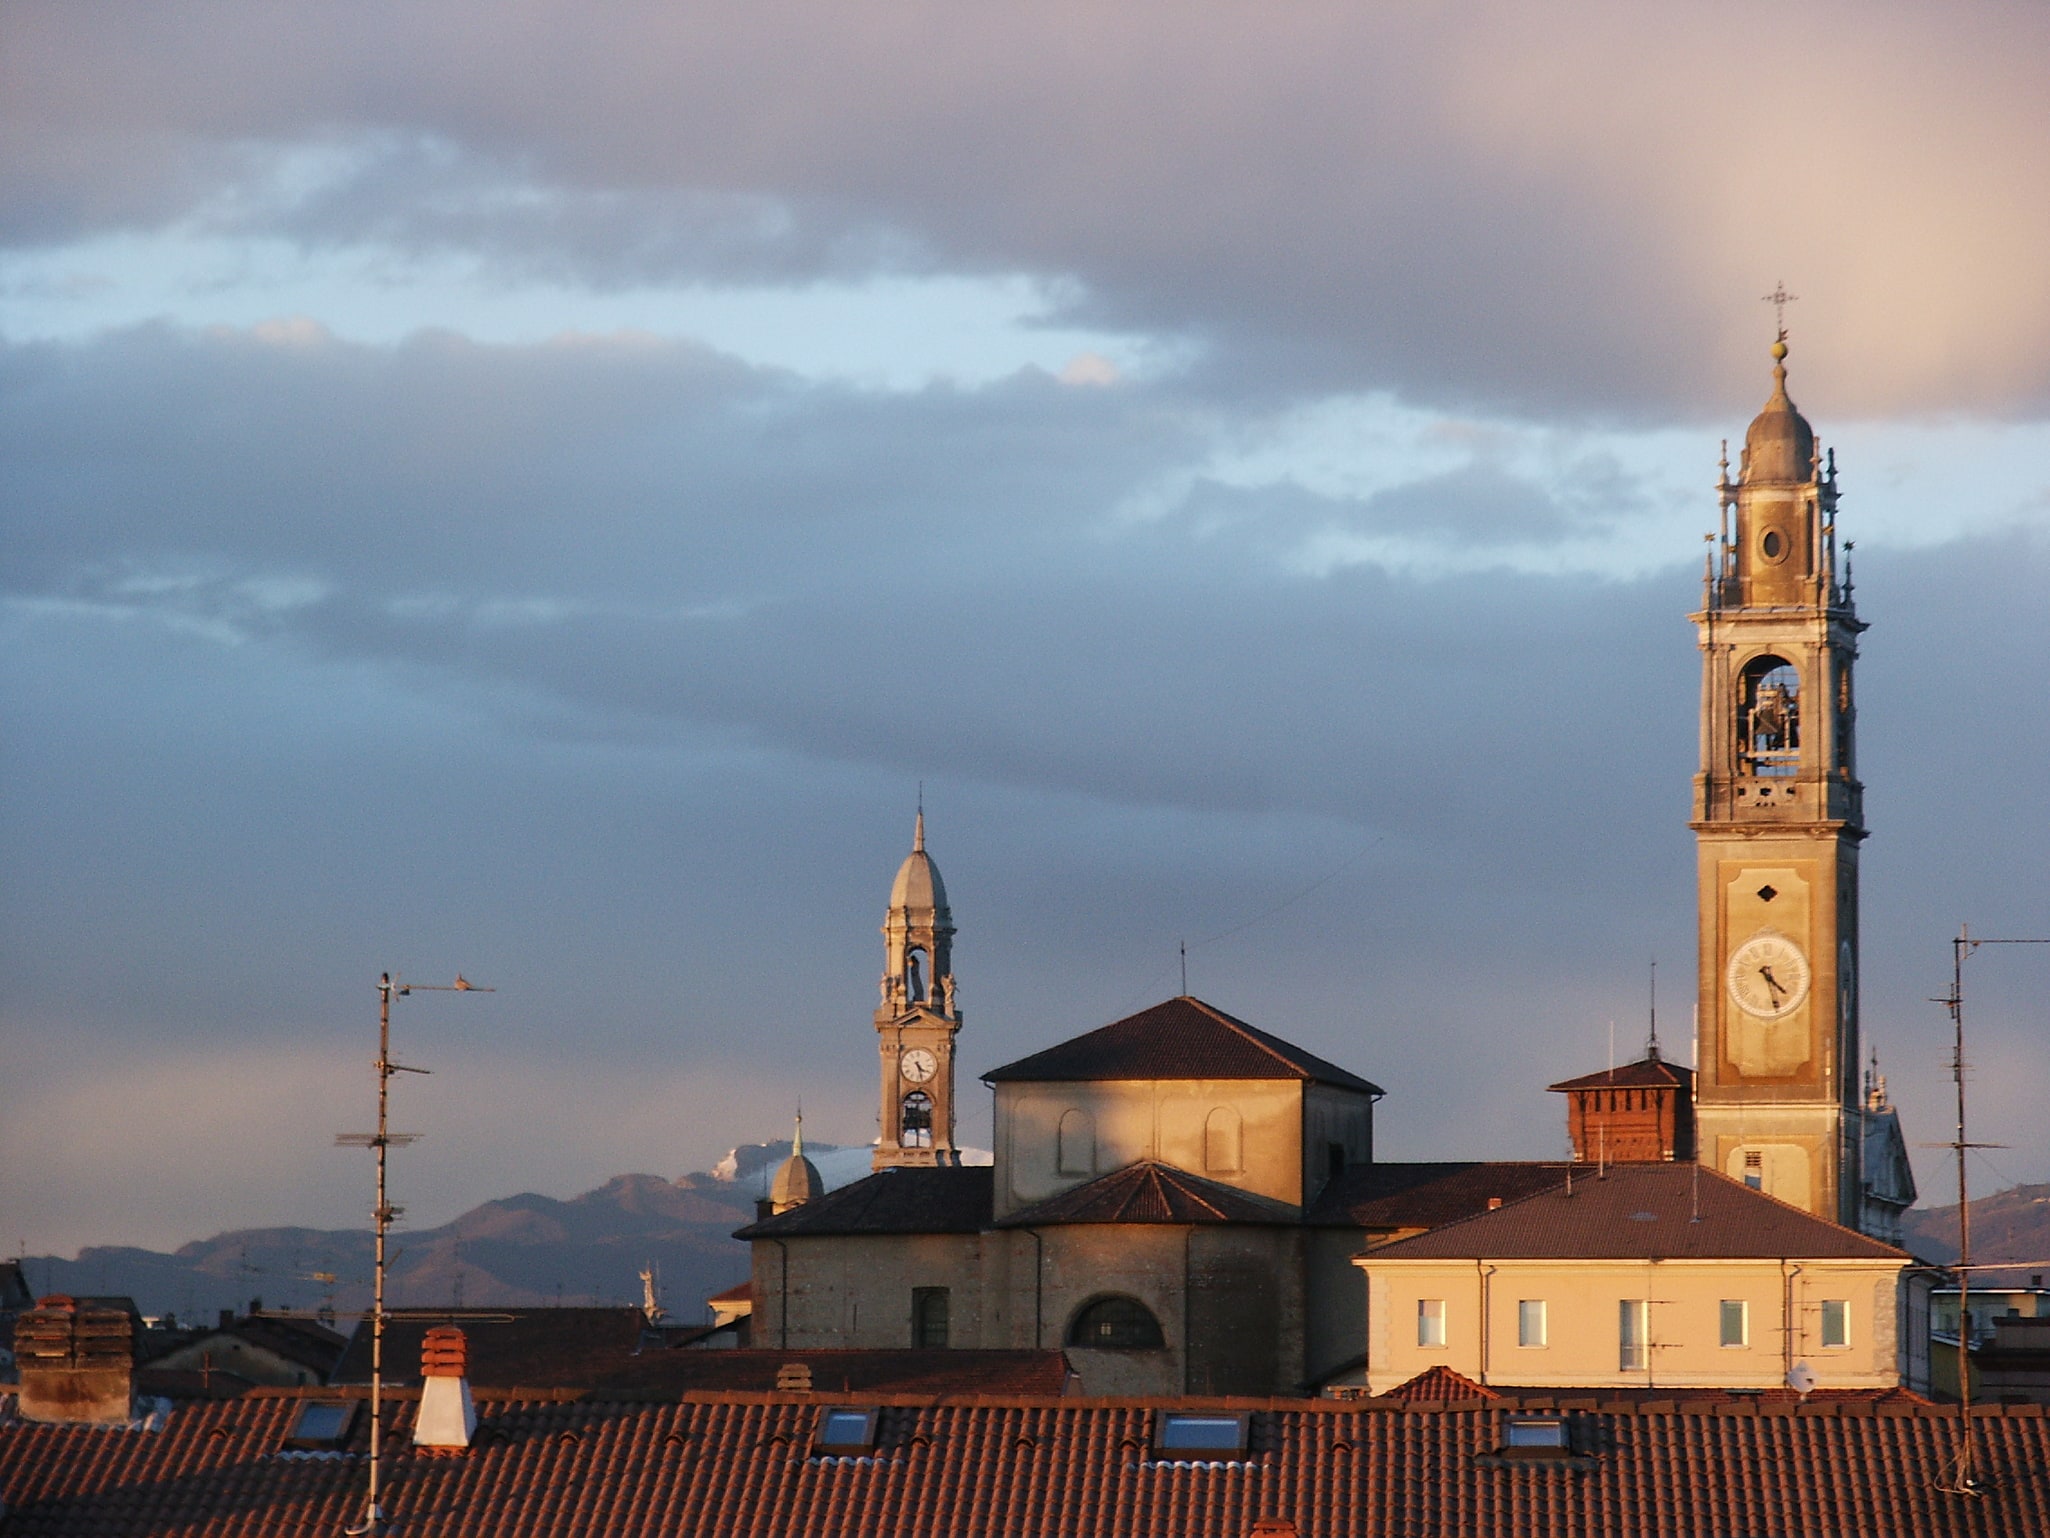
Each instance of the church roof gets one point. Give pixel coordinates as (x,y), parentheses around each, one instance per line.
(1428,1195)
(918,884)
(941,1199)
(1779,445)
(1183,1038)
(1149,1192)
(1645,1073)
(1644,1212)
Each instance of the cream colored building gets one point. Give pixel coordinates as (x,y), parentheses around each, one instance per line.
(1654,1276)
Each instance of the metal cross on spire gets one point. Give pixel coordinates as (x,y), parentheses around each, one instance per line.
(1779,299)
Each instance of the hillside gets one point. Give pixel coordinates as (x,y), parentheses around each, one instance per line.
(2011,1226)
(525,1249)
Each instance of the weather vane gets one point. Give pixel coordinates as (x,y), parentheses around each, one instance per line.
(1779,299)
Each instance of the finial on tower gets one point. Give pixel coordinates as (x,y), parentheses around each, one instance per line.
(797,1138)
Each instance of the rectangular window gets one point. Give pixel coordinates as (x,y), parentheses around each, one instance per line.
(844,1429)
(1173,1432)
(1530,1322)
(929,1317)
(1836,1322)
(1736,1322)
(1430,1321)
(1538,1431)
(1754,1171)
(1633,1335)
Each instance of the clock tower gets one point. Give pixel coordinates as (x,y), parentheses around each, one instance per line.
(1778,818)
(917,1018)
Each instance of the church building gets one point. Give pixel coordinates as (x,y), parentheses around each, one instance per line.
(1186,1202)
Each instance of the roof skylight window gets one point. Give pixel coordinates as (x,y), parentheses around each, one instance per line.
(322,1425)
(845,1430)
(1177,1432)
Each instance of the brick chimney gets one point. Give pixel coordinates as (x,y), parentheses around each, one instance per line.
(447,1418)
(77,1363)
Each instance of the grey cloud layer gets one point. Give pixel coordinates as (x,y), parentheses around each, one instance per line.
(1465,206)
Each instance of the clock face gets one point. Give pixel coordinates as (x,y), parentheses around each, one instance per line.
(1767,976)
(917,1065)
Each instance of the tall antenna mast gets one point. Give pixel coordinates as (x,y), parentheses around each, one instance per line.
(383,1140)
(1963,1476)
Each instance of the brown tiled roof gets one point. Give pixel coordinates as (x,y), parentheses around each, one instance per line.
(1183,1038)
(1645,1073)
(737,1293)
(745,1465)
(1439,1385)
(1638,1211)
(1396,1196)
(509,1348)
(1148,1192)
(307,1342)
(673,1374)
(953,1199)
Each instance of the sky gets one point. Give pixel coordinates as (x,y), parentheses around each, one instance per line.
(541,491)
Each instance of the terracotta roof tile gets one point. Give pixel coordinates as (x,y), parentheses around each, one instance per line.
(1439,1385)
(509,1348)
(1667,1211)
(955,1199)
(744,1465)
(1148,1192)
(1645,1073)
(1183,1038)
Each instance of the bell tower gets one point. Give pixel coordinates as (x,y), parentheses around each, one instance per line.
(1778,818)
(917,1019)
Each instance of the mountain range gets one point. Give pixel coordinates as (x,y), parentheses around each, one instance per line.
(530,1250)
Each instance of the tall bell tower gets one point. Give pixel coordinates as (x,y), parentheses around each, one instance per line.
(917,1019)
(1778,818)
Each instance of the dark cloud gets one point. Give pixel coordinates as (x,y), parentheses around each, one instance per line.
(1503,209)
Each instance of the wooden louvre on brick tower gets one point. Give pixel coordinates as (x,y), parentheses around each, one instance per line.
(77,1363)
(1641,1113)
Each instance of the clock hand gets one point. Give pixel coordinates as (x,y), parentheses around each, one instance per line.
(1771,981)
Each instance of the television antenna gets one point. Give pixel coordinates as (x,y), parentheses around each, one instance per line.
(382,1141)
(1962,1476)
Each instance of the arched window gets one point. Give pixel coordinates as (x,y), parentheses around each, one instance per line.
(914,975)
(914,1125)
(1117,1324)
(1769,719)
(1221,1141)
(1075,1144)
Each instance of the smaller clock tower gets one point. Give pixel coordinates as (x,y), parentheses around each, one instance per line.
(917,1018)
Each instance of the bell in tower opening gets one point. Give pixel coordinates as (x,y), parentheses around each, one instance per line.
(1778,820)
(916,1019)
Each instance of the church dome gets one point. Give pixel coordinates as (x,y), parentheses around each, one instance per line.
(797,1182)
(1780,445)
(918,883)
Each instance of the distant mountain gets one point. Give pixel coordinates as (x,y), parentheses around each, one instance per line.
(524,1250)
(2012,1226)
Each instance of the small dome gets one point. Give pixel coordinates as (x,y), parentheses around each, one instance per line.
(797,1182)
(918,883)
(1780,445)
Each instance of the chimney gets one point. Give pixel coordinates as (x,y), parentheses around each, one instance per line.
(793,1378)
(77,1364)
(447,1418)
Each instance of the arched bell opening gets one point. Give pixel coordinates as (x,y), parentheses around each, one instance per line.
(914,1122)
(1769,718)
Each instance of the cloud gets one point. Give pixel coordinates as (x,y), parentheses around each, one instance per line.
(1502,209)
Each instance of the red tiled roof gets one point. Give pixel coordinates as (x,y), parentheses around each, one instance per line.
(1638,1211)
(509,1348)
(744,1466)
(1148,1192)
(1183,1038)
(1439,1385)
(1394,1196)
(952,1199)
(1645,1073)
(673,1374)
(739,1292)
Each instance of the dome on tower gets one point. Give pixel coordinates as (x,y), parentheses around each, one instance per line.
(1780,445)
(798,1180)
(918,883)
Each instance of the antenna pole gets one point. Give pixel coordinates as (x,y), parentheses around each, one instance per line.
(1185,968)
(381,1142)
(1962,1480)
